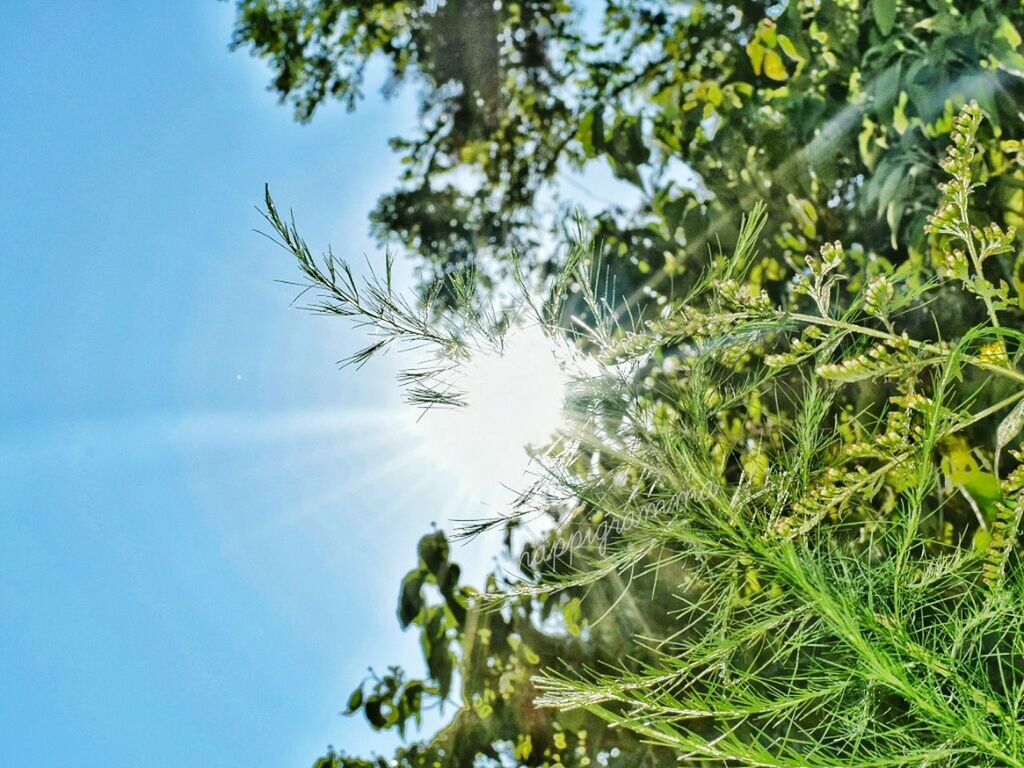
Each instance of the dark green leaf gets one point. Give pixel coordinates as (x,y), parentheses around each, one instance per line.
(410,598)
(433,551)
(374,713)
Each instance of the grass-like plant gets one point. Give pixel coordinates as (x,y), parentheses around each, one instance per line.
(822,473)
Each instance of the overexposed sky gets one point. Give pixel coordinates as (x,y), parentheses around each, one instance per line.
(203,523)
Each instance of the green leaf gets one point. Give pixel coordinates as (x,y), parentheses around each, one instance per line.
(412,700)
(789,49)
(572,612)
(448,584)
(1008,32)
(885,89)
(628,147)
(868,150)
(773,66)
(980,541)
(355,700)
(374,713)
(756,53)
(899,115)
(890,187)
(884,12)
(984,489)
(410,598)
(591,132)
(433,551)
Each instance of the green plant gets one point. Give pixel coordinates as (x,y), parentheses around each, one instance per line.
(478,659)
(848,414)
(815,547)
(851,588)
(831,111)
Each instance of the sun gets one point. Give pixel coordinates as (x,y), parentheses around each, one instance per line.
(514,399)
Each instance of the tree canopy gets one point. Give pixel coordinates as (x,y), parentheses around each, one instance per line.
(831,112)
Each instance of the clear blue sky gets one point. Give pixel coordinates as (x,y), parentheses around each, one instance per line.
(192,502)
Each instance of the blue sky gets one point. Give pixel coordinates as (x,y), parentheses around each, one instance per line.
(193,499)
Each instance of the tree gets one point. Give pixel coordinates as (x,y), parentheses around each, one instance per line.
(818,489)
(831,112)
(834,115)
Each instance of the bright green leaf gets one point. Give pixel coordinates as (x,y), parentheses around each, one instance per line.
(1008,32)
(355,700)
(984,489)
(789,49)
(900,123)
(756,53)
(572,613)
(773,66)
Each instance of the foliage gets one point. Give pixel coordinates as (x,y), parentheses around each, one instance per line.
(786,511)
(478,658)
(831,111)
(806,495)
(852,577)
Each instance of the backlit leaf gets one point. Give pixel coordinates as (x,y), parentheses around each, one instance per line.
(773,66)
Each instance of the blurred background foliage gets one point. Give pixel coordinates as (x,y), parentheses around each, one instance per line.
(834,113)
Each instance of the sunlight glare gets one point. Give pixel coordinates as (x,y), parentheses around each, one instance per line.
(514,399)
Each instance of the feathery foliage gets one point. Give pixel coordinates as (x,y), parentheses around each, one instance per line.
(851,581)
(810,488)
